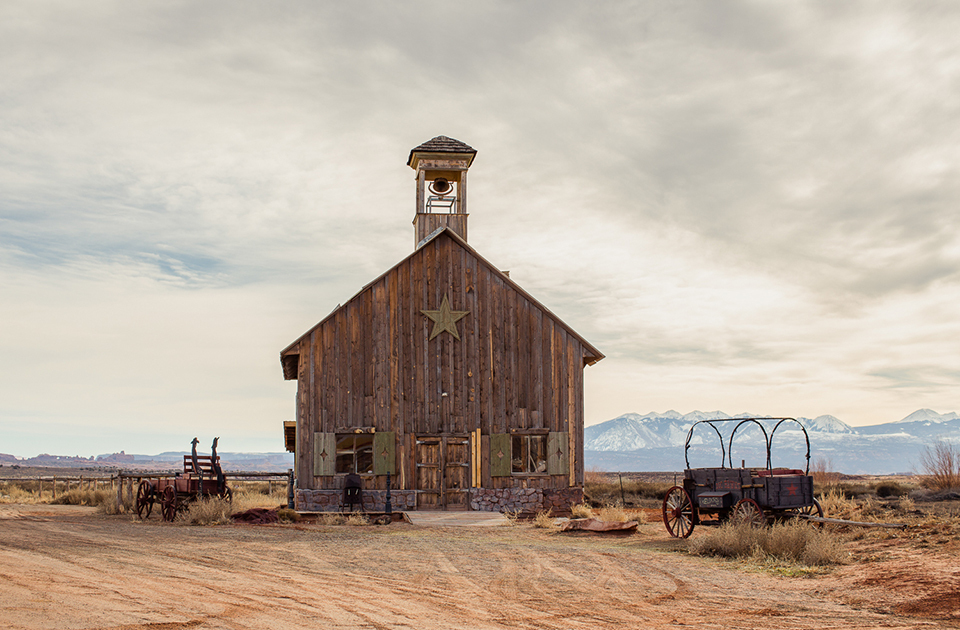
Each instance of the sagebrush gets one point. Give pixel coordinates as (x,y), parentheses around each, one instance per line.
(792,541)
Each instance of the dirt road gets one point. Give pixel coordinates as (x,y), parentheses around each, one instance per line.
(67,567)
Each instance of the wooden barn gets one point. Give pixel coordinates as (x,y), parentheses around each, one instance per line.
(442,372)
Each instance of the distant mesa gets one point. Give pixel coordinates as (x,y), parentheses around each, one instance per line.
(173,460)
(115,458)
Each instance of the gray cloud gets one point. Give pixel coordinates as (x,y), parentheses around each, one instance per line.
(744,205)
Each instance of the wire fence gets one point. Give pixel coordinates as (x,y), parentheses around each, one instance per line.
(125,482)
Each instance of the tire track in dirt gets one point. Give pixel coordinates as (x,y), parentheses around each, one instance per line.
(112,573)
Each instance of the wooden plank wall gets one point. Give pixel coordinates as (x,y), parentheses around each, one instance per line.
(372,365)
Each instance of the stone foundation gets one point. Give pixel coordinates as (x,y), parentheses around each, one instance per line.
(524,499)
(481,499)
(373,500)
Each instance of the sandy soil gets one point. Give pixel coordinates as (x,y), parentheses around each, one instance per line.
(68,567)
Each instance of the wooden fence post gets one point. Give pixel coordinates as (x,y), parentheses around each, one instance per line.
(119,490)
(54,487)
(40,491)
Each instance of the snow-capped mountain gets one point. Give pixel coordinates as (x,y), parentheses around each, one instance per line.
(927,415)
(655,441)
(827,424)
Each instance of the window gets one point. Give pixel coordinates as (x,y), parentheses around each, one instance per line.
(355,453)
(529,454)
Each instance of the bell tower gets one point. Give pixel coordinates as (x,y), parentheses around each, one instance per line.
(441,165)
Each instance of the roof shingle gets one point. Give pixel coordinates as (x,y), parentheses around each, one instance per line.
(441,144)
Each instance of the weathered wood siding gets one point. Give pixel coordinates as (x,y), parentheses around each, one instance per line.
(371,364)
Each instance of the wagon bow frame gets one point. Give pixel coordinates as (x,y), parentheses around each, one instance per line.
(742,494)
(726,452)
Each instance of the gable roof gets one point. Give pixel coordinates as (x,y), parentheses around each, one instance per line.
(441,144)
(592,355)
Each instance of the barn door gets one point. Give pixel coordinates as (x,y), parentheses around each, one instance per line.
(456,473)
(428,473)
(443,472)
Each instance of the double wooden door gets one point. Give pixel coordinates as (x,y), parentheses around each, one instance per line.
(443,472)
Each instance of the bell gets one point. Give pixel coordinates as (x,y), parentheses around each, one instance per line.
(440,186)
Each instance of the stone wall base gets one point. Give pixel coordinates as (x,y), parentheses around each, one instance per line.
(481,499)
(373,500)
(524,499)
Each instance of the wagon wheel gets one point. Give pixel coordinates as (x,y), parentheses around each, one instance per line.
(168,504)
(678,512)
(810,510)
(227,495)
(748,511)
(144,500)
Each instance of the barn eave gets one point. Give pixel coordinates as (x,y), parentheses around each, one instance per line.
(290,356)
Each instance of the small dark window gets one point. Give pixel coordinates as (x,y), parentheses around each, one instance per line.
(529,454)
(355,453)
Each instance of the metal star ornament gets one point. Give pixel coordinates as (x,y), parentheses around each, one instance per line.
(445,319)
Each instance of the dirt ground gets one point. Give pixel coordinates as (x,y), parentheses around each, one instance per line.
(68,567)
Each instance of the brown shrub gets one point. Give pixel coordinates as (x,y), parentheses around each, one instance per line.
(617,514)
(85,496)
(207,511)
(581,510)
(544,520)
(287,515)
(331,518)
(19,492)
(793,541)
(357,519)
(821,469)
(941,465)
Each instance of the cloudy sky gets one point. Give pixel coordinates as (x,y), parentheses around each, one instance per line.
(746,206)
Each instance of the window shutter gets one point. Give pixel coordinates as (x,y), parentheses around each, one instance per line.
(558,453)
(324,454)
(500,455)
(384,452)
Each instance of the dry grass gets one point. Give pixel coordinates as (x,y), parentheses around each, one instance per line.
(793,542)
(358,519)
(581,510)
(941,465)
(339,518)
(544,520)
(19,492)
(594,476)
(207,511)
(605,489)
(77,496)
(215,511)
(837,504)
(27,491)
(617,514)
(331,518)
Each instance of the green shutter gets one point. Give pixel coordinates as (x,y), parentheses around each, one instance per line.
(500,456)
(324,454)
(384,452)
(558,453)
